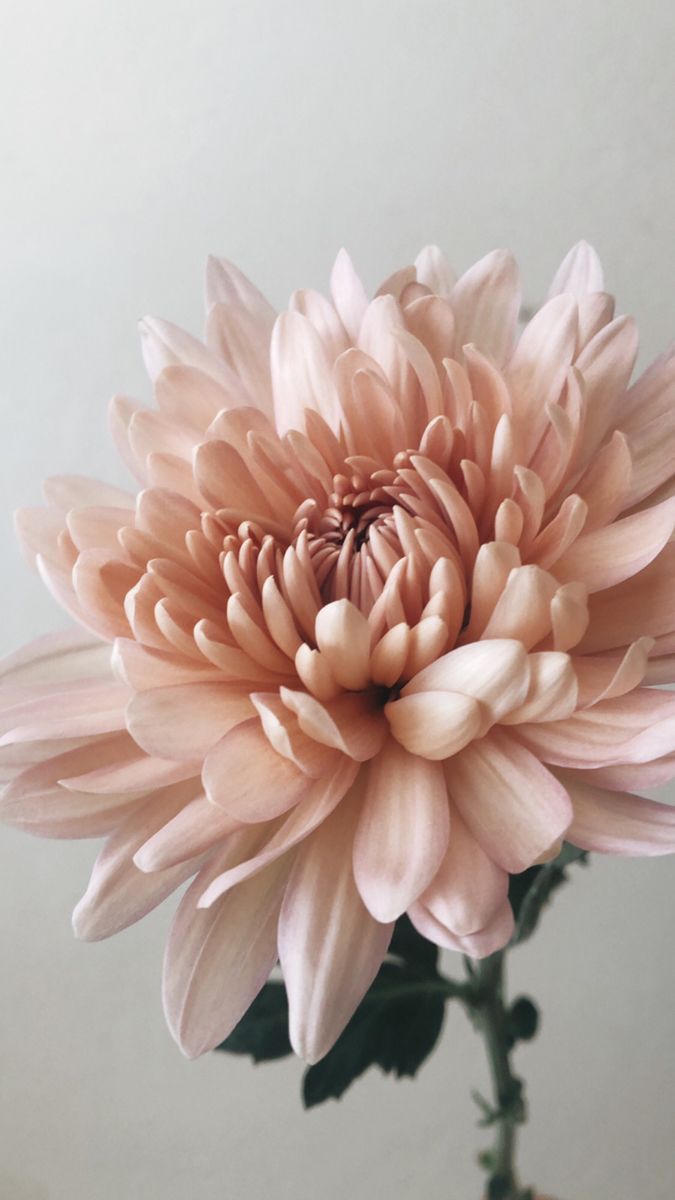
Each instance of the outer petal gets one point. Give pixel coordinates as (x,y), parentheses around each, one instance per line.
(249,780)
(579,273)
(35,802)
(486,303)
(476,945)
(514,807)
(329,945)
(617,822)
(605,557)
(217,959)
(118,893)
(402,832)
(641,606)
(468,889)
(349,296)
(300,822)
(187,720)
(301,373)
(56,658)
(538,369)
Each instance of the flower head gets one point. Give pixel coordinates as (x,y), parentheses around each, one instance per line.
(376,632)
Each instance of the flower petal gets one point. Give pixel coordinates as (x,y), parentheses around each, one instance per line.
(402,832)
(616,822)
(118,893)
(185,721)
(579,273)
(329,945)
(217,959)
(248,779)
(435,725)
(469,888)
(475,945)
(343,636)
(294,828)
(486,303)
(494,671)
(607,556)
(514,807)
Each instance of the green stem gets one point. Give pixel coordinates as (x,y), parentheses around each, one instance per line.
(490,1015)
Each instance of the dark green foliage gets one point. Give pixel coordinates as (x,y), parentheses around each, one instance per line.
(530,891)
(414,949)
(499,1187)
(395,1027)
(263,1030)
(523,1019)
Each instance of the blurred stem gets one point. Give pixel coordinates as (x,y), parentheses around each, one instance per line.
(490,1016)
(502,1025)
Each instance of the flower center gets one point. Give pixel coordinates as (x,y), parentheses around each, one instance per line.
(340,534)
(353,505)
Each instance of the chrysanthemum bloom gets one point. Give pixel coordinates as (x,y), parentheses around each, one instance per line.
(375,633)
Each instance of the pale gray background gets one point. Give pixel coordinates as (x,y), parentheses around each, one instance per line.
(137,137)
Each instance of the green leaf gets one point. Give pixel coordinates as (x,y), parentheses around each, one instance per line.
(395,1027)
(412,947)
(530,891)
(523,1019)
(263,1030)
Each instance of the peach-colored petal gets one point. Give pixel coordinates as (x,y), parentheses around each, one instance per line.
(613,822)
(348,294)
(469,888)
(606,363)
(607,556)
(83,709)
(579,273)
(514,807)
(134,772)
(118,893)
(402,831)
(553,691)
(330,946)
(538,369)
(300,822)
(301,373)
(165,345)
(248,779)
(495,672)
(640,606)
(56,657)
(217,959)
(343,636)
(434,271)
(523,610)
(626,729)
(185,721)
(35,801)
(480,944)
(350,723)
(282,729)
(198,826)
(435,725)
(486,303)
(606,485)
(602,677)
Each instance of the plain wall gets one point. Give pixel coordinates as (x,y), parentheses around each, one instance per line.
(136,138)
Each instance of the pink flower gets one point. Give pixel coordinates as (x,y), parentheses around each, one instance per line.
(376,631)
